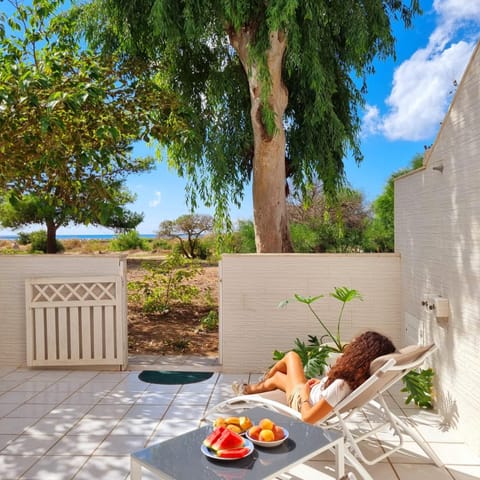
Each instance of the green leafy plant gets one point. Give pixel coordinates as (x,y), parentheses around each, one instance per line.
(419,386)
(314,356)
(210,321)
(165,283)
(179,344)
(129,241)
(38,242)
(343,295)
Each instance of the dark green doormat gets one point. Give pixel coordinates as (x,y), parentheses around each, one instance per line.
(173,378)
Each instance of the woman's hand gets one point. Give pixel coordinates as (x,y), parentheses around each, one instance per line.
(312,381)
(305,394)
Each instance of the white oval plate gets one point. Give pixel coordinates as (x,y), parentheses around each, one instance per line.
(211,454)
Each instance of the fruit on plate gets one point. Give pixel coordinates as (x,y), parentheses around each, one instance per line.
(266,431)
(226,444)
(234,428)
(278,432)
(213,437)
(266,435)
(226,440)
(266,424)
(233,452)
(235,424)
(254,432)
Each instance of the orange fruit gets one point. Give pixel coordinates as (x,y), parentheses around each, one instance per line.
(278,432)
(266,424)
(254,432)
(266,436)
(245,423)
(234,428)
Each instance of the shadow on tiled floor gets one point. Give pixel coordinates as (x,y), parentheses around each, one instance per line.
(79,425)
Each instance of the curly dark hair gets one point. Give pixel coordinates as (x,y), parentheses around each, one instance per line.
(354,365)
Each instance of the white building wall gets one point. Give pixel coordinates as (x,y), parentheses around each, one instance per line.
(437,225)
(252,286)
(15,269)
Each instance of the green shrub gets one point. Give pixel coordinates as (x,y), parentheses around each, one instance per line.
(210,321)
(23,238)
(160,244)
(38,242)
(304,238)
(243,239)
(129,241)
(203,249)
(165,283)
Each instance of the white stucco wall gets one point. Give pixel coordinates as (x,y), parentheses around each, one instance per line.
(437,225)
(14,269)
(252,286)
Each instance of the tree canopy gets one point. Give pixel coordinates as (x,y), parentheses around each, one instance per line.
(68,118)
(271,90)
(380,234)
(187,229)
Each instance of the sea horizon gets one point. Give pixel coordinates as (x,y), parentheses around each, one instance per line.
(87,236)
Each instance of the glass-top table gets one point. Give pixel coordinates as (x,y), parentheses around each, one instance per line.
(180,458)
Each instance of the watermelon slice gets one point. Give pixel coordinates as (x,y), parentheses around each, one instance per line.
(213,437)
(233,452)
(227,440)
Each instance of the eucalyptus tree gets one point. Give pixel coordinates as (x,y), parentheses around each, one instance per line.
(68,118)
(272,90)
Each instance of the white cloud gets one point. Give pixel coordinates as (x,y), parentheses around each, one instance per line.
(423,84)
(371,120)
(156,201)
(421,93)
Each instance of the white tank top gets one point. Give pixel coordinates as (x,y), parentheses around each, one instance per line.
(333,394)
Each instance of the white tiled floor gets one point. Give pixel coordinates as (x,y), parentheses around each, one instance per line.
(62,425)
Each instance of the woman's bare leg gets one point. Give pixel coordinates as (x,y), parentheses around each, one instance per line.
(285,375)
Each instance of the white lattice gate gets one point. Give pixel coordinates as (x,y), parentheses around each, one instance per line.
(76,321)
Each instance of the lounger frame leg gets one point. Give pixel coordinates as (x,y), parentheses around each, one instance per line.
(355,463)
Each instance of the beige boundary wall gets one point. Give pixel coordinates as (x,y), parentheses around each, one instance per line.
(15,269)
(437,225)
(252,286)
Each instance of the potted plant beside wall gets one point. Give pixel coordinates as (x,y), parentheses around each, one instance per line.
(318,352)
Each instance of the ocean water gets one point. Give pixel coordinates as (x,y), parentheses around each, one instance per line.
(81,237)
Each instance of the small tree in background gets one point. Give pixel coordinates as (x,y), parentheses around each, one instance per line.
(187,229)
(380,232)
(165,284)
(68,118)
(54,212)
(319,224)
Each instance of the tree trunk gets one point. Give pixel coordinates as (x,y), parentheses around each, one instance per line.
(51,237)
(272,233)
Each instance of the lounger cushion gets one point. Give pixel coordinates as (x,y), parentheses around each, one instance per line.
(404,355)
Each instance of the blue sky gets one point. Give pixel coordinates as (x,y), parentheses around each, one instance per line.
(406,102)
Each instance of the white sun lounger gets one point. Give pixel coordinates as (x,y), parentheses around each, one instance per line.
(368,397)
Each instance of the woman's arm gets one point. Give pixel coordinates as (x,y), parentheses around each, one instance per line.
(313,413)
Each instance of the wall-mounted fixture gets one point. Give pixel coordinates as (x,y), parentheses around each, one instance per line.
(440,305)
(438,168)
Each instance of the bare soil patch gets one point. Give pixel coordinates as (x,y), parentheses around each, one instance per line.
(177,332)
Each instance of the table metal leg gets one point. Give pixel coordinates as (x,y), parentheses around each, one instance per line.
(135,470)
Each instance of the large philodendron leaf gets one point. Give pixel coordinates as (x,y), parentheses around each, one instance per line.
(345,294)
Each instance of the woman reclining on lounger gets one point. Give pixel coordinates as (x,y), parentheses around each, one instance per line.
(315,398)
